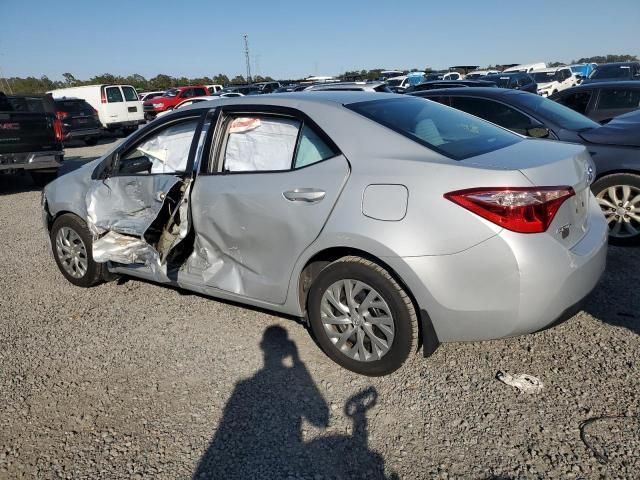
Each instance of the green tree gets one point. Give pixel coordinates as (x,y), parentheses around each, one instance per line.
(160,82)
(70,80)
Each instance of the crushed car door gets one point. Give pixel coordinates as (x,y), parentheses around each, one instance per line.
(137,208)
(271,183)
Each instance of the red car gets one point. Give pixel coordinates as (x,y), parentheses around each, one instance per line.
(171,98)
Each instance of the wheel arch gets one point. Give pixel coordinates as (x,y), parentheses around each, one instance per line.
(621,171)
(320,259)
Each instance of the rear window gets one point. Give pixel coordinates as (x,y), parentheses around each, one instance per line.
(445,130)
(73,106)
(114,95)
(23,104)
(130,94)
(611,71)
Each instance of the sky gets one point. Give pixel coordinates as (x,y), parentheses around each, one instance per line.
(295,39)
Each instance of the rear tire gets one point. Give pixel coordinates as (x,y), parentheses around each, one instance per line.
(71,243)
(619,197)
(41,179)
(361,317)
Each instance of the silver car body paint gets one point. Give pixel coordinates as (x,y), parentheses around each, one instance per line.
(475,279)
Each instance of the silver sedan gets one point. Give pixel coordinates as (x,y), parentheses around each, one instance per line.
(388,223)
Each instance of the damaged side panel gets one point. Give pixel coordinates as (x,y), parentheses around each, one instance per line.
(138,220)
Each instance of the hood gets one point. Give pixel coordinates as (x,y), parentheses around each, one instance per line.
(623,130)
(161,99)
(545,84)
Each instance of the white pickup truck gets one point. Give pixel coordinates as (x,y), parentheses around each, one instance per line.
(553,80)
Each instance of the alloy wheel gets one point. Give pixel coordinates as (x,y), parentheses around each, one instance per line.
(72,252)
(621,207)
(357,320)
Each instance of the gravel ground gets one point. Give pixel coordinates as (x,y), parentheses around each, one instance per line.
(134,380)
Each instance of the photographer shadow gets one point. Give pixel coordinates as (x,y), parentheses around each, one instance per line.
(260,434)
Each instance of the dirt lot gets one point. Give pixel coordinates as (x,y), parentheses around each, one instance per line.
(134,380)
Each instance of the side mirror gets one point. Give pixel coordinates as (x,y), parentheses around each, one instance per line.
(134,165)
(538,132)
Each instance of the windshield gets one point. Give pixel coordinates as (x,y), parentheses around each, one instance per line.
(611,71)
(563,116)
(544,77)
(172,92)
(501,81)
(579,69)
(450,132)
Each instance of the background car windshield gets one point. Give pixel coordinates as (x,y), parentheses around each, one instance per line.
(563,116)
(445,130)
(611,71)
(394,82)
(542,77)
(172,92)
(502,82)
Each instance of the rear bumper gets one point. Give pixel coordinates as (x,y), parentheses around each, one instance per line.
(50,160)
(508,285)
(85,133)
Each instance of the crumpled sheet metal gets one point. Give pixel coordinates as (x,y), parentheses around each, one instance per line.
(115,247)
(127,205)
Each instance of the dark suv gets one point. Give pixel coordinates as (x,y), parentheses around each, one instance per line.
(79,120)
(514,80)
(601,101)
(619,71)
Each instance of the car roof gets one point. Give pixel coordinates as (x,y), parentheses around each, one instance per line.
(466,91)
(549,70)
(505,74)
(299,99)
(605,84)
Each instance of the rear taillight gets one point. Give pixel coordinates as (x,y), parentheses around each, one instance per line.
(103,95)
(519,209)
(62,115)
(57,129)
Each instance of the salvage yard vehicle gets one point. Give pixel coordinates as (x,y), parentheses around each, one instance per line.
(79,120)
(514,80)
(619,72)
(525,67)
(170,99)
(615,147)
(602,101)
(186,103)
(387,221)
(30,137)
(149,95)
(582,70)
(435,84)
(553,80)
(350,86)
(118,106)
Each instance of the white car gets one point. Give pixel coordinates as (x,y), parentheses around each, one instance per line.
(476,74)
(526,67)
(118,106)
(186,103)
(214,88)
(553,80)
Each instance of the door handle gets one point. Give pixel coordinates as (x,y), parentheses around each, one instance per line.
(308,195)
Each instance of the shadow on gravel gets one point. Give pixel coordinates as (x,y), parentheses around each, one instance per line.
(260,434)
(615,300)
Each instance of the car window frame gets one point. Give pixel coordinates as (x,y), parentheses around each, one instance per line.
(118,89)
(603,90)
(213,152)
(108,167)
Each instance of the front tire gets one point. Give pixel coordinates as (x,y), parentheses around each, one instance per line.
(361,317)
(71,243)
(619,198)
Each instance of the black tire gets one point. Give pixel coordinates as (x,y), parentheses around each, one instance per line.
(601,186)
(95,272)
(401,308)
(91,141)
(41,179)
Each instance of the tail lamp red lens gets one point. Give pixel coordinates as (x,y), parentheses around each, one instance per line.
(519,209)
(62,115)
(57,129)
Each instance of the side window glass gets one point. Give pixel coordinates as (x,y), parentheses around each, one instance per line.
(168,148)
(494,112)
(576,101)
(311,148)
(114,95)
(260,143)
(614,98)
